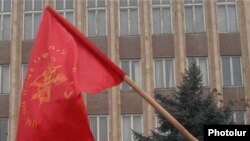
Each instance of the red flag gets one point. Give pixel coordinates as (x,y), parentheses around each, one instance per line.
(63,63)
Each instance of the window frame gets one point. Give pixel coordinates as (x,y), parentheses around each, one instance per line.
(193,4)
(131,116)
(1,89)
(98,125)
(231,72)
(226,4)
(31,12)
(65,10)
(96,9)
(128,8)
(197,61)
(161,6)
(4,118)
(164,72)
(2,14)
(130,72)
(244,115)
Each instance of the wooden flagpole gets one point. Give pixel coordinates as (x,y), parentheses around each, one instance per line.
(188,136)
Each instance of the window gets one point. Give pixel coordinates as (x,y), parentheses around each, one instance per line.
(4,79)
(129,16)
(239,117)
(164,73)
(32,18)
(5,19)
(162,16)
(232,71)
(65,8)
(97,18)
(132,69)
(227,16)
(129,123)
(3,129)
(99,127)
(194,16)
(202,63)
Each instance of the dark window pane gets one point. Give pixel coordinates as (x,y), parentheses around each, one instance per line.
(199,21)
(232,18)
(133,2)
(167,25)
(156,2)
(189,19)
(38,4)
(69,4)
(28,5)
(237,71)
(91,23)
(70,16)
(93,126)
(7,5)
(222,18)
(188,1)
(126,121)
(125,67)
(59,4)
(101,3)
(123,2)
(3,129)
(156,21)
(6,27)
(166,2)
(133,22)
(37,19)
(103,131)
(124,22)
(27,26)
(226,72)
(101,22)
(91,3)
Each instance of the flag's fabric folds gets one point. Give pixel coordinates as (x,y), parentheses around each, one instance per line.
(63,63)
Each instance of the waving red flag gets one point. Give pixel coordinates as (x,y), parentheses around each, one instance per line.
(63,63)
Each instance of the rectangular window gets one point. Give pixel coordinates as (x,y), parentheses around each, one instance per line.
(164,73)
(194,16)
(132,69)
(202,63)
(232,71)
(32,17)
(162,16)
(5,20)
(99,127)
(227,16)
(129,17)
(129,123)
(3,129)
(4,79)
(66,9)
(97,18)
(239,117)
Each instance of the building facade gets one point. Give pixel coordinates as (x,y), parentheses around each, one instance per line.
(153,41)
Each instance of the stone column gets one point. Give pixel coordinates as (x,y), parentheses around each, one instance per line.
(146,64)
(179,39)
(48,2)
(113,51)
(15,66)
(80,11)
(215,73)
(244,20)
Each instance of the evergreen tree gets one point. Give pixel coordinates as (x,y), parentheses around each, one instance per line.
(191,107)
